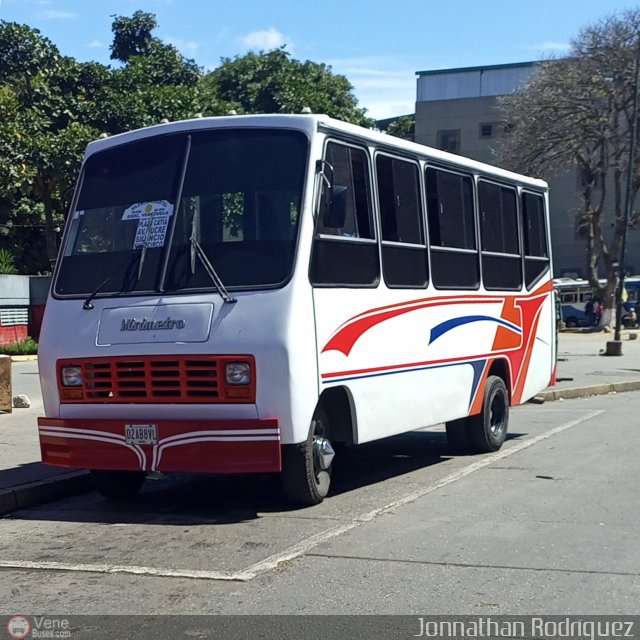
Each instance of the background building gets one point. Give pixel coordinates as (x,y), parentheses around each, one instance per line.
(457,111)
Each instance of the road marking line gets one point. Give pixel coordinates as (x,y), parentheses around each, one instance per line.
(105,568)
(301,548)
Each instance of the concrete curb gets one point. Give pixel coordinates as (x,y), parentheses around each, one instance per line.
(593,390)
(34,493)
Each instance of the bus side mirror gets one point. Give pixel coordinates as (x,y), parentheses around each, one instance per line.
(336,213)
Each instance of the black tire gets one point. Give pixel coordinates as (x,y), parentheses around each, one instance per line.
(304,481)
(458,435)
(488,429)
(571,323)
(118,484)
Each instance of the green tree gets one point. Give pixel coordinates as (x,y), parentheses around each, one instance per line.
(50,108)
(33,107)
(132,36)
(577,112)
(404,127)
(155,82)
(273,82)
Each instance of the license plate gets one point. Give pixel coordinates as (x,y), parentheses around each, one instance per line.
(141,433)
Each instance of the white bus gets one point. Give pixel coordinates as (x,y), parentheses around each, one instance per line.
(239,294)
(575,295)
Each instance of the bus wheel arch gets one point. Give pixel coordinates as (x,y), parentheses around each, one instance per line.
(307,466)
(486,431)
(339,406)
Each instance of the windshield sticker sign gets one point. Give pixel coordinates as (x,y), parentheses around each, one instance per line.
(153,220)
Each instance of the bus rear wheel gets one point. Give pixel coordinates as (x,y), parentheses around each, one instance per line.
(306,467)
(118,484)
(488,429)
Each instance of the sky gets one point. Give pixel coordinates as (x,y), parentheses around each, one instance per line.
(379,45)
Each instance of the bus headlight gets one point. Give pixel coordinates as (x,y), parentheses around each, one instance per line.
(71,376)
(237,373)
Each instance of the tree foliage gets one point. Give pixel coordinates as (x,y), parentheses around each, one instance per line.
(273,82)
(51,106)
(404,127)
(577,112)
(132,36)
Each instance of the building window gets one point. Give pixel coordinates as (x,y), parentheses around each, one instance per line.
(487,130)
(493,129)
(448,140)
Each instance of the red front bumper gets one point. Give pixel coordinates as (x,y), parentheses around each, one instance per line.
(210,446)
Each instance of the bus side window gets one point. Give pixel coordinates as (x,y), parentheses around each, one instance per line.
(404,253)
(501,260)
(346,255)
(536,255)
(452,229)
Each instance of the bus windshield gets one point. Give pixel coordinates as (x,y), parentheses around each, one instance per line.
(147,211)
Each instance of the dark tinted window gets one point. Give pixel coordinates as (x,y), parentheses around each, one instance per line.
(536,261)
(344,251)
(452,235)
(498,218)
(404,256)
(535,237)
(347,169)
(501,261)
(135,217)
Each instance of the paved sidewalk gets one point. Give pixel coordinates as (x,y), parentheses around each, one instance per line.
(582,370)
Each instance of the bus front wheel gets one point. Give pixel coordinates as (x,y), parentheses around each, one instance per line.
(306,467)
(117,484)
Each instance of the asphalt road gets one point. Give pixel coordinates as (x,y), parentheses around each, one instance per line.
(548,525)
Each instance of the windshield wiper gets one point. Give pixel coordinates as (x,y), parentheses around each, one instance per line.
(145,242)
(197,250)
(129,265)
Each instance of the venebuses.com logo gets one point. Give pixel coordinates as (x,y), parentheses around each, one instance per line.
(18,627)
(38,627)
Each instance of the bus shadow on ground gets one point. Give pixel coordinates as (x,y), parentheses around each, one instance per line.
(226,500)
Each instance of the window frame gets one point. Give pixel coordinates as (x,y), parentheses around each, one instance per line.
(497,255)
(327,240)
(465,173)
(393,246)
(524,191)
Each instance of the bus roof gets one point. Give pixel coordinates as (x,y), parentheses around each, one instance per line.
(310,124)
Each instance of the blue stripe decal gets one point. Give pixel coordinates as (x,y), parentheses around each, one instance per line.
(478,368)
(448,325)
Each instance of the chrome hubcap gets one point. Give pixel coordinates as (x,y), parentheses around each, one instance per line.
(323,453)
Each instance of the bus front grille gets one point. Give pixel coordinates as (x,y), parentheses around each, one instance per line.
(164,379)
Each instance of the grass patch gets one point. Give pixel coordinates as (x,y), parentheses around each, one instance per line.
(26,347)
